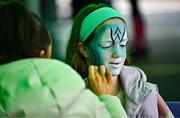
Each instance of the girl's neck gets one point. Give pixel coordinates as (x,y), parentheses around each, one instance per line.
(116,82)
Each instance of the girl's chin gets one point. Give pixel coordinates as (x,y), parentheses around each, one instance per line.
(115,72)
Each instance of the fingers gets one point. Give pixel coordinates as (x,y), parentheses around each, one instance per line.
(109,77)
(91,72)
(96,69)
(102,70)
(94,80)
(99,80)
(97,73)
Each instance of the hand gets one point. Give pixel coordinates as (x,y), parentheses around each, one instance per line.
(100,81)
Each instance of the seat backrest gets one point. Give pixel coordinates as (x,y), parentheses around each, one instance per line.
(174,107)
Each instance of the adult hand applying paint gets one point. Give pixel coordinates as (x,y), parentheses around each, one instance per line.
(99,80)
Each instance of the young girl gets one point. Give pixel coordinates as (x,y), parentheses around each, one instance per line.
(99,37)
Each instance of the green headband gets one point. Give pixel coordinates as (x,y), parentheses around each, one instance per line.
(95,18)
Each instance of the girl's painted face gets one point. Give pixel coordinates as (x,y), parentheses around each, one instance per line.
(108,46)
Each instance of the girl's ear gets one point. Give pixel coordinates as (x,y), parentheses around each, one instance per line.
(45,53)
(82,49)
(42,53)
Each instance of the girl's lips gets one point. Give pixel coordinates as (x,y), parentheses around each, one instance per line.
(115,63)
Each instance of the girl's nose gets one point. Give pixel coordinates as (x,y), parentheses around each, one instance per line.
(116,51)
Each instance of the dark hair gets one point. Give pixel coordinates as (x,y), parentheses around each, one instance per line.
(22,33)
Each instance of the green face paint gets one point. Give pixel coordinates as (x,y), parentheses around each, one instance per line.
(108,47)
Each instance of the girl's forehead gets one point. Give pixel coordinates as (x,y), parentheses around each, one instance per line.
(113,20)
(120,26)
(111,30)
(111,23)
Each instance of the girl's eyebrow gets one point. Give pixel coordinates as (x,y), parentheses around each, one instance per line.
(106,41)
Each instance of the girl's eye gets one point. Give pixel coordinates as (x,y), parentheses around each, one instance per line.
(106,44)
(124,42)
(122,45)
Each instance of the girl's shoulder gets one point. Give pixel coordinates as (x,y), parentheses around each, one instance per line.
(133,73)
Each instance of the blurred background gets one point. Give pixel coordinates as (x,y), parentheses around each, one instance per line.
(161,28)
